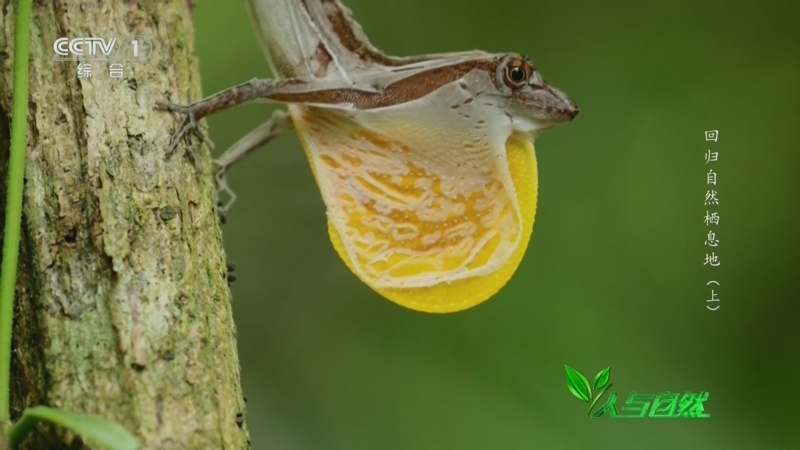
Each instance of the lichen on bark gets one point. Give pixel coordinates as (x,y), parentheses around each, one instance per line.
(123,308)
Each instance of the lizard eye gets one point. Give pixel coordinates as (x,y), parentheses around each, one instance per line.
(515,76)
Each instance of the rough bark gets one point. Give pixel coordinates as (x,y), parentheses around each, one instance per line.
(123,308)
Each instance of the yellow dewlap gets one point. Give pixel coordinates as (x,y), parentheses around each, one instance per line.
(465,293)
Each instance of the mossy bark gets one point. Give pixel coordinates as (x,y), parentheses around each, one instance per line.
(123,308)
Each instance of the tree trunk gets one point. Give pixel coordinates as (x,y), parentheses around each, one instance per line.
(123,308)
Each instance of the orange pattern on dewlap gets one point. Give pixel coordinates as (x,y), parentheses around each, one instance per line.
(409,223)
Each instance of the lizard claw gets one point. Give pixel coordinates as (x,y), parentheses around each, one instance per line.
(223,190)
(189,127)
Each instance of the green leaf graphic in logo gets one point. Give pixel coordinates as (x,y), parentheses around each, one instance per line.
(601,379)
(580,387)
(578,384)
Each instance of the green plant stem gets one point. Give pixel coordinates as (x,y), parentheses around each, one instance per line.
(16,171)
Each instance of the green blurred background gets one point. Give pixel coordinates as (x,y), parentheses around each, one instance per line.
(614,274)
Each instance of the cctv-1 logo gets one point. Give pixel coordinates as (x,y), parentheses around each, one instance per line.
(128,48)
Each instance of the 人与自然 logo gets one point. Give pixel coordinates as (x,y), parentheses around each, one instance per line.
(662,405)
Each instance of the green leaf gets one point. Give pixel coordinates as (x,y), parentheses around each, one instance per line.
(96,429)
(578,384)
(601,379)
